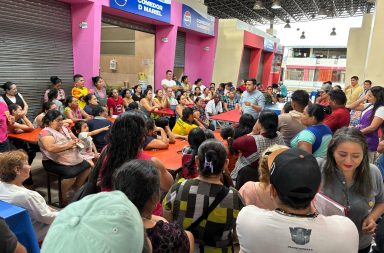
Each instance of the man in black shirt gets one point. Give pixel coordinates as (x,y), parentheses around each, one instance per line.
(8,241)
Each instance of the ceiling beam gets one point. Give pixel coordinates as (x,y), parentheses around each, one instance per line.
(301,9)
(334,7)
(249,9)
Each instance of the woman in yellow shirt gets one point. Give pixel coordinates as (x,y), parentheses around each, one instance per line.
(79,91)
(185,124)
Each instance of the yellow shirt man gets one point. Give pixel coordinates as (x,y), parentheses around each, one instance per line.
(353,91)
(182,128)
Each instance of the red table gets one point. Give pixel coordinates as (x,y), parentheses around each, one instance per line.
(165,111)
(230,116)
(31,137)
(171,157)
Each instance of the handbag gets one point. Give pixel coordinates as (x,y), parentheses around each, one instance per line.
(90,187)
(219,197)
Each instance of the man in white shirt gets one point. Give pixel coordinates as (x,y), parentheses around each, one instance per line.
(168,82)
(294,226)
(214,106)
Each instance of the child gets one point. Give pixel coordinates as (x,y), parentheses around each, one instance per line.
(88,148)
(195,138)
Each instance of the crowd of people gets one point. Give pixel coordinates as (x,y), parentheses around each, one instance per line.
(306,176)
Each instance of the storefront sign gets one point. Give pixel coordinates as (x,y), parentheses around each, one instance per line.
(268,45)
(279,49)
(154,9)
(198,22)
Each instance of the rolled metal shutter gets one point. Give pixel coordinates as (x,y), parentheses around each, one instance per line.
(118,21)
(35,43)
(180,50)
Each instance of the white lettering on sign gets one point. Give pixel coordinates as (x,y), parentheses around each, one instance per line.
(153,11)
(151,4)
(140,7)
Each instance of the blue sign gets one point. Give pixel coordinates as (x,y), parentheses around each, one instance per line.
(279,49)
(154,9)
(198,22)
(268,45)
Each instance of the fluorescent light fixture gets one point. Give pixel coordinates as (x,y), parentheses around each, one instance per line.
(302,36)
(287,25)
(333,33)
(258,5)
(276,4)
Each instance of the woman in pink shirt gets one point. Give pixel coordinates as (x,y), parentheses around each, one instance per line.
(5,117)
(115,103)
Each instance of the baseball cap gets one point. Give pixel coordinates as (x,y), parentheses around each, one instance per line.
(326,87)
(296,174)
(103,222)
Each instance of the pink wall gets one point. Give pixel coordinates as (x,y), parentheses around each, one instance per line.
(200,56)
(86,42)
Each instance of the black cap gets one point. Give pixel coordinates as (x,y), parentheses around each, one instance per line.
(296,174)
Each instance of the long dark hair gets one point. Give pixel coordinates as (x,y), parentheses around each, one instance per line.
(138,180)
(246,123)
(378,93)
(227,133)
(195,138)
(362,176)
(318,111)
(269,120)
(212,155)
(125,140)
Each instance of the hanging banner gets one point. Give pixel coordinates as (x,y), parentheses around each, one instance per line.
(154,9)
(268,45)
(198,22)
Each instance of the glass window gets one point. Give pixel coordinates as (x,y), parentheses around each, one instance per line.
(295,74)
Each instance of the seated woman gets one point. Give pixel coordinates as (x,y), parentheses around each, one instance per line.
(160,99)
(14,170)
(127,98)
(73,111)
(185,124)
(115,103)
(140,181)
(152,139)
(349,179)
(137,92)
(227,134)
(264,135)
(91,101)
(200,115)
(315,138)
(187,203)
(22,123)
(147,105)
(180,107)
(47,106)
(60,153)
(53,97)
(125,142)
(257,193)
(245,126)
(189,169)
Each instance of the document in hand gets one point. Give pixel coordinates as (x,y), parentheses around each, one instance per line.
(327,206)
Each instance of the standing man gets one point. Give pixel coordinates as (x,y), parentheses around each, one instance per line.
(340,114)
(294,226)
(290,123)
(283,90)
(252,101)
(168,82)
(353,91)
(367,86)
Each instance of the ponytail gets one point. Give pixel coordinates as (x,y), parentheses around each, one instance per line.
(212,157)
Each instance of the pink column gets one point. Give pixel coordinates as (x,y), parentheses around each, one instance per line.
(305,76)
(86,42)
(254,62)
(268,58)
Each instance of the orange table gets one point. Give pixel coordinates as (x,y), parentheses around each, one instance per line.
(165,111)
(31,137)
(171,157)
(230,116)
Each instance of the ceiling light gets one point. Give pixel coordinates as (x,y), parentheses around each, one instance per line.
(333,33)
(258,5)
(276,4)
(302,36)
(322,13)
(287,25)
(297,29)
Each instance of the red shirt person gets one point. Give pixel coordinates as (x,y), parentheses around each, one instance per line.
(115,103)
(340,116)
